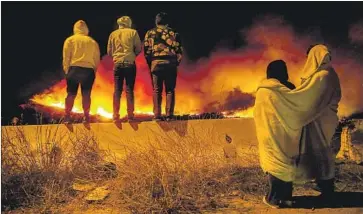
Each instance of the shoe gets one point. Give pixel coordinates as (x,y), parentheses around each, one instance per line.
(170,118)
(287,204)
(132,119)
(272,205)
(158,118)
(116,118)
(67,120)
(86,119)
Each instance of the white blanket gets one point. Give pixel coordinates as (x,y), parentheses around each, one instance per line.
(295,127)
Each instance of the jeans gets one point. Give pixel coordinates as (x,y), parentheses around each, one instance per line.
(164,74)
(75,77)
(123,72)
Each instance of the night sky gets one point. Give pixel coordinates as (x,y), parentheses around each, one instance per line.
(33,32)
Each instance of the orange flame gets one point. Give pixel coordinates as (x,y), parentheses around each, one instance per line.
(212,80)
(102,94)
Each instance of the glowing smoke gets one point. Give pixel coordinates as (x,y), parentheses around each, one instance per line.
(224,80)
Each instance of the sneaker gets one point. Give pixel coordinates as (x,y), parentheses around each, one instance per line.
(67,120)
(86,119)
(157,119)
(170,118)
(116,119)
(132,119)
(272,205)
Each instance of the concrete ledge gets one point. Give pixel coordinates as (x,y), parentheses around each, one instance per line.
(227,136)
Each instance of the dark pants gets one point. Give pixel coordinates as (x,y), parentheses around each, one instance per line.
(326,187)
(75,77)
(123,72)
(164,74)
(279,190)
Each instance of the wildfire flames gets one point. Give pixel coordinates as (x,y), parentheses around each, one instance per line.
(189,97)
(225,81)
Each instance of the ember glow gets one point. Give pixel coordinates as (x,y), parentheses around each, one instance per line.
(225,81)
(189,98)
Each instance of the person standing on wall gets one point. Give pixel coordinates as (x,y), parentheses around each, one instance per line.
(81,56)
(163,53)
(124,45)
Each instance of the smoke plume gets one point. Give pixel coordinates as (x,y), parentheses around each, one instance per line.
(226,80)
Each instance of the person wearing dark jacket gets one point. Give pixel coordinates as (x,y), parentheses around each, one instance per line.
(163,52)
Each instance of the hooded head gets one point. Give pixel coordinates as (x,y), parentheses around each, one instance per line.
(80,27)
(319,58)
(124,21)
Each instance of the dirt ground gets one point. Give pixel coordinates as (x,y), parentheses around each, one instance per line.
(238,205)
(348,199)
(307,202)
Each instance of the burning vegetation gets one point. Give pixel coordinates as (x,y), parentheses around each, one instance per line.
(225,81)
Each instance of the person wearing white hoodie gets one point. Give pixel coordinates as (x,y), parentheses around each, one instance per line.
(81,56)
(123,46)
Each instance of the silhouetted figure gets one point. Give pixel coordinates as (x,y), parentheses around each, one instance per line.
(163,52)
(278,70)
(81,56)
(280,192)
(124,45)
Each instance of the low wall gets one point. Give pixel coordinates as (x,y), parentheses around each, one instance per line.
(228,136)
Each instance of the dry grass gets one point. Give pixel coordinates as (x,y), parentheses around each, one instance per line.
(349,177)
(187,174)
(170,175)
(41,174)
(183,174)
(166,176)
